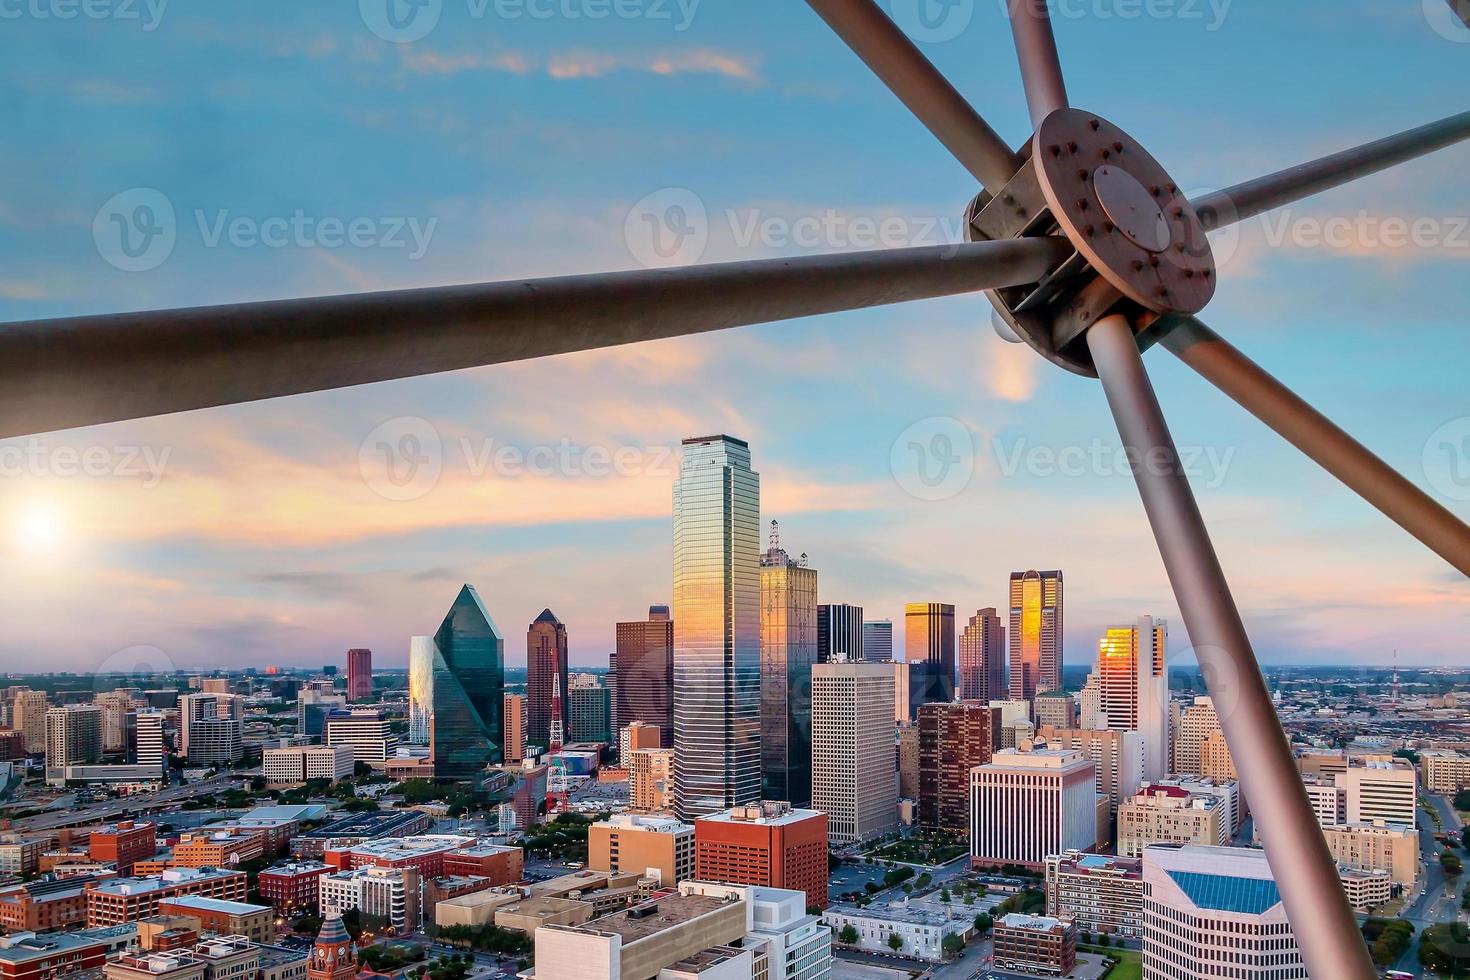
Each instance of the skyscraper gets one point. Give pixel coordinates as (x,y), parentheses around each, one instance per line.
(953,739)
(717,709)
(983,658)
(1036,633)
(788,651)
(928,640)
(467,690)
(514,726)
(1135,688)
(878,641)
(73,736)
(359,675)
(421,656)
(1195,725)
(643,689)
(839,633)
(589,710)
(546,668)
(854,776)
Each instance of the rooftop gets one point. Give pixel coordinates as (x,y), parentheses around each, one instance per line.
(654,917)
(767,813)
(371,823)
(403,848)
(216,905)
(26,947)
(1031,923)
(171,877)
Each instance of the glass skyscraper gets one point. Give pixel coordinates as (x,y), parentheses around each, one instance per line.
(928,639)
(463,666)
(788,650)
(1035,634)
(717,756)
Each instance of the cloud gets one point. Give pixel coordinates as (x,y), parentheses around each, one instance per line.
(570,65)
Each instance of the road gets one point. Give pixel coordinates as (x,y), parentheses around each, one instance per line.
(111,809)
(1439,900)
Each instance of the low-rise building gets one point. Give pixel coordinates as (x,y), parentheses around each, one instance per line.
(658,847)
(1445,771)
(795,944)
(48,903)
(123,843)
(474,909)
(768,843)
(292,885)
(921,931)
(217,848)
(120,900)
(498,863)
(1035,944)
(391,895)
(359,828)
(223,917)
(1378,846)
(20,856)
(1366,890)
(1101,893)
(424,854)
(298,764)
(1169,815)
(27,956)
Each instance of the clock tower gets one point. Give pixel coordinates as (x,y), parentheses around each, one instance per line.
(334,957)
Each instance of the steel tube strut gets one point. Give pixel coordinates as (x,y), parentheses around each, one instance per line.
(1225,367)
(55,374)
(1036,49)
(885,49)
(1304,869)
(1264,193)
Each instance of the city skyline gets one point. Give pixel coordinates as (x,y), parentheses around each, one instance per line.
(263,541)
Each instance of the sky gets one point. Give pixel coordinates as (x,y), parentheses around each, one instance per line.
(163,154)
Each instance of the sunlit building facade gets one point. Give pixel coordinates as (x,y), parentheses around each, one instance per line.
(717,666)
(928,638)
(546,671)
(788,651)
(839,633)
(1035,633)
(1134,687)
(421,656)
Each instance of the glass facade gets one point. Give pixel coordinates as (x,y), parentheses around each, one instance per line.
(421,656)
(717,762)
(546,666)
(1035,634)
(929,640)
(788,650)
(982,658)
(468,690)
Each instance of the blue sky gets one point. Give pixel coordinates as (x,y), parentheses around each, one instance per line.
(528,138)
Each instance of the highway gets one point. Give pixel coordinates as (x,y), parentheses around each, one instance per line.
(108,810)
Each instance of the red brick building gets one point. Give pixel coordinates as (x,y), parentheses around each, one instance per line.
(767,844)
(51,956)
(502,865)
(123,900)
(122,844)
(293,884)
(953,739)
(12,746)
(47,903)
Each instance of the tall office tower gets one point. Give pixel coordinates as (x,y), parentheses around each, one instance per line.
(211,728)
(421,656)
(1117,755)
(313,705)
(1195,725)
(589,703)
(717,627)
(28,715)
(467,666)
(1036,633)
(840,632)
(908,762)
(1214,912)
(1057,709)
(788,651)
(903,711)
(1027,805)
(359,675)
(983,658)
(878,641)
(546,667)
(953,739)
(1135,688)
(514,726)
(151,749)
(116,706)
(644,687)
(854,778)
(73,737)
(1090,705)
(928,637)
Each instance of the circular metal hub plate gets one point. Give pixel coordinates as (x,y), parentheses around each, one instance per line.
(1121,210)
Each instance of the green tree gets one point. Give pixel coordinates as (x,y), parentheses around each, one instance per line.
(983,923)
(895,941)
(953,944)
(848,936)
(1451,863)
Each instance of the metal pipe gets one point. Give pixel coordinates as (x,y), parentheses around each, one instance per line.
(1225,367)
(885,49)
(1036,49)
(56,374)
(1305,872)
(1272,191)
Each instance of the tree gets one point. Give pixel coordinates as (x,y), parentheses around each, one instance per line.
(983,923)
(848,936)
(944,895)
(895,941)
(1451,863)
(953,944)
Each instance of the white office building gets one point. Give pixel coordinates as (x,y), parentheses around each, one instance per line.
(854,773)
(1027,805)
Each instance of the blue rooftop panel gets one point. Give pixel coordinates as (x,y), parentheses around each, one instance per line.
(1247,896)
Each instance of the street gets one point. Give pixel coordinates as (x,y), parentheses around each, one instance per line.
(1439,901)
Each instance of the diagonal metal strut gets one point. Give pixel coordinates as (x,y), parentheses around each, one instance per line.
(1257,196)
(1255,390)
(1036,49)
(885,49)
(57,374)
(1304,869)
